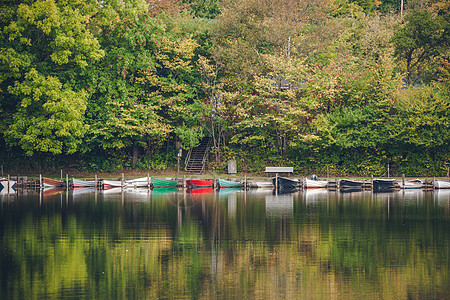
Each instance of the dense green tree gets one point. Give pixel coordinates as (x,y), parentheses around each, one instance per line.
(43,45)
(142,89)
(208,9)
(422,38)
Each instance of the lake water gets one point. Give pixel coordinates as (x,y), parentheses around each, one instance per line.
(174,244)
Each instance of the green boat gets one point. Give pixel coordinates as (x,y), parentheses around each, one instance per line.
(158,183)
(228,184)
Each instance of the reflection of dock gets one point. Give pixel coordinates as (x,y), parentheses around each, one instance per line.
(280,205)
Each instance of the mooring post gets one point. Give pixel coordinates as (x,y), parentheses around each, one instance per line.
(95,181)
(40,181)
(214,181)
(67,181)
(245,182)
(184,181)
(371,182)
(148,180)
(121,182)
(403,181)
(434,183)
(276,182)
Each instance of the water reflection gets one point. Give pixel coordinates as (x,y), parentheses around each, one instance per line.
(169,243)
(280,205)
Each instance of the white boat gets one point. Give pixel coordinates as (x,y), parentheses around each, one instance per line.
(309,183)
(5,184)
(78,183)
(411,184)
(442,184)
(107,184)
(138,182)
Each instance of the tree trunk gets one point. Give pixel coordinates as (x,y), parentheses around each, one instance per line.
(135,156)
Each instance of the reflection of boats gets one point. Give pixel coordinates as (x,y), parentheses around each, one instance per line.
(285,191)
(228,191)
(284,183)
(160,183)
(313,195)
(6,191)
(47,191)
(350,184)
(263,184)
(383,185)
(228,183)
(279,205)
(199,183)
(411,184)
(259,193)
(162,191)
(442,184)
(112,190)
(79,183)
(84,190)
(350,190)
(5,183)
(442,196)
(200,190)
(136,194)
(309,183)
(49,182)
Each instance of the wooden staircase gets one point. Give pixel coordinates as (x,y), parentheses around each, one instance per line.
(197,157)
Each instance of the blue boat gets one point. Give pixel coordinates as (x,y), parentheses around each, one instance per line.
(222,183)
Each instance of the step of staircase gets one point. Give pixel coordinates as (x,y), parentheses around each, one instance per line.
(195,163)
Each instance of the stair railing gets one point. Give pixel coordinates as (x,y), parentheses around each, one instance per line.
(187,159)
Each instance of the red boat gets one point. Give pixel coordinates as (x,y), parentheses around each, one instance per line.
(199,183)
(48,182)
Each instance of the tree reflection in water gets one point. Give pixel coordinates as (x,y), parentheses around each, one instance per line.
(171,243)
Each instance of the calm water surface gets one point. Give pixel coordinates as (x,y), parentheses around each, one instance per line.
(174,244)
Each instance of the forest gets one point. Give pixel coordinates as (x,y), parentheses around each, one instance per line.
(340,86)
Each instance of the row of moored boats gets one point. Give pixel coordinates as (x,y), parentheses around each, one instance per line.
(377,184)
(277,182)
